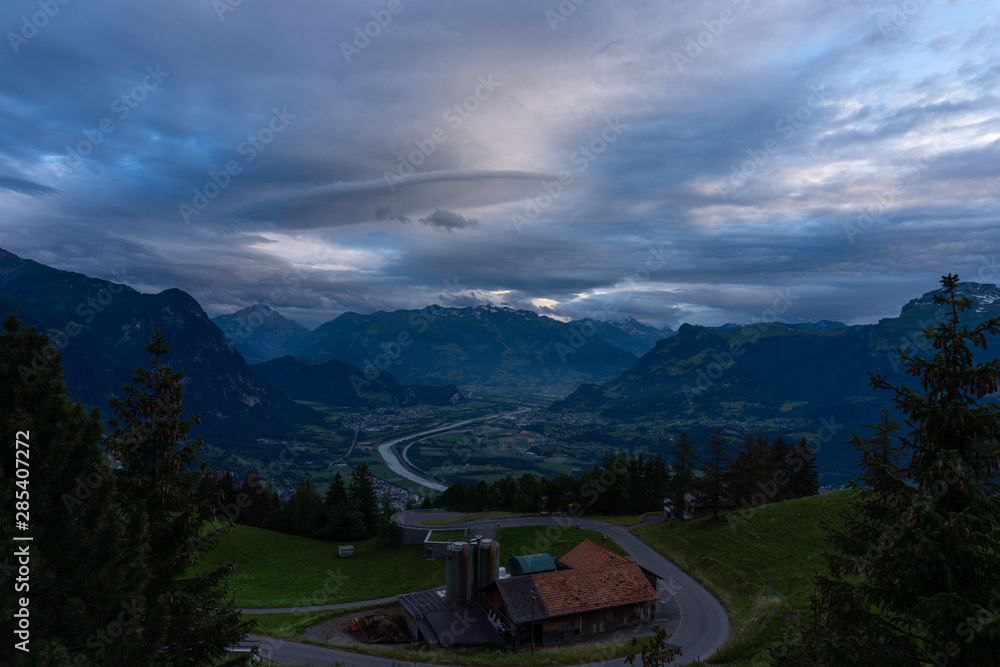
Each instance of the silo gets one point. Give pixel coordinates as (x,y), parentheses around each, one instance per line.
(494,561)
(486,563)
(468,569)
(454,573)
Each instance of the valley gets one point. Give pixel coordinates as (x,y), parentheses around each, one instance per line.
(399,373)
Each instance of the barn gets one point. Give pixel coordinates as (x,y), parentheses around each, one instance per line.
(586,591)
(597,591)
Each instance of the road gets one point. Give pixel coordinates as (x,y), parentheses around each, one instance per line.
(701,629)
(394,464)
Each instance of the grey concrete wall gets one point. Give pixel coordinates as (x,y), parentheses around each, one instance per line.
(413,535)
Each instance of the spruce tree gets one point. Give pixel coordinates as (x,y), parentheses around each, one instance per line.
(915,575)
(186,619)
(779,470)
(265,507)
(712,486)
(86,550)
(800,466)
(748,472)
(682,480)
(303,511)
(332,513)
(361,493)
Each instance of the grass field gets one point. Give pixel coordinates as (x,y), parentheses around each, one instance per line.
(278,570)
(738,556)
(553,540)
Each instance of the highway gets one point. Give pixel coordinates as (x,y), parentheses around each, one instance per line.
(394,464)
(697,620)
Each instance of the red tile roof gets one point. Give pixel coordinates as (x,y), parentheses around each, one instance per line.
(588,555)
(576,591)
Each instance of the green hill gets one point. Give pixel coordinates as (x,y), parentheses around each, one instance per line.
(741,554)
(278,570)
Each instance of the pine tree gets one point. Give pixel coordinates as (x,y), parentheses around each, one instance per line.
(529,494)
(303,510)
(605,489)
(656,478)
(800,466)
(265,506)
(779,469)
(185,620)
(682,480)
(747,476)
(914,576)
(334,506)
(559,492)
(712,486)
(361,493)
(86,550)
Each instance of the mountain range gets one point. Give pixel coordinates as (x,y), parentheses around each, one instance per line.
(479,346)
(102,329)
(779,378)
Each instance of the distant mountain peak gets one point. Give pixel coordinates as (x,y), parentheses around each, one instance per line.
(822,325)
(259,332)
(982,295)
(258,309)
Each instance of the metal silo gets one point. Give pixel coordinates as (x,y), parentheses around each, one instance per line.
(486,562)
(454,575)
(468,570)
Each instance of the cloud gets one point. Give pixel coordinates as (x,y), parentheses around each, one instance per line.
(745,154)
(24,186)
(448,221)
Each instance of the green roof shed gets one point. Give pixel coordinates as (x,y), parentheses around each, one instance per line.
(531,564)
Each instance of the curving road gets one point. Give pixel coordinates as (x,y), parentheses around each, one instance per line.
(698,621)
(394,464)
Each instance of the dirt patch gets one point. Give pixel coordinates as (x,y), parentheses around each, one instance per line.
(387,628)
(381,625)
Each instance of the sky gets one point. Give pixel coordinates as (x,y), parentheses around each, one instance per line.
(701,162)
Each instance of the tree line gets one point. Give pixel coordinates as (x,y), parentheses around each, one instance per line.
(349,510)
(754,471)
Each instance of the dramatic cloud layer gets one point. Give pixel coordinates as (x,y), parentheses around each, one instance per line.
(675,162)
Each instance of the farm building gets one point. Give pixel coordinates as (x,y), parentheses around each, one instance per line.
(593,590)
(531,564)
(565,605)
